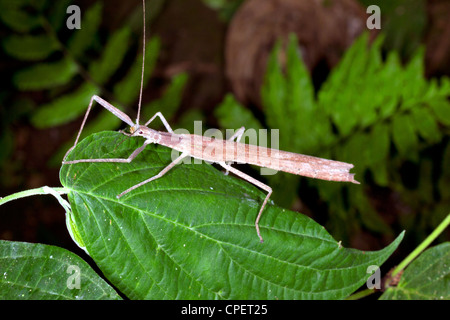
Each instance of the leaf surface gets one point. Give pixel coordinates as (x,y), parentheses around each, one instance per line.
(43,272)
(427,277)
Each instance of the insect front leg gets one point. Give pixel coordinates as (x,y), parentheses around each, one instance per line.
(119,160)
(121,115)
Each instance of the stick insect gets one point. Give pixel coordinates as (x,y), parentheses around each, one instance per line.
(216,150)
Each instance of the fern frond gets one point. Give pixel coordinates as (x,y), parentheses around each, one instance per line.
(382,111)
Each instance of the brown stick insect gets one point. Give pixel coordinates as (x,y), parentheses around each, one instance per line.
(217,151)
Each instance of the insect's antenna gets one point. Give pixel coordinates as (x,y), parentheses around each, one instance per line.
(143,63)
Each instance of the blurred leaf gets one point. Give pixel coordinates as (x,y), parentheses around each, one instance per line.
(426,278)
(378,152)
(413,75)
(58,15)
(336,95)
(226,8)
(369,216)
(426,125)
(103,122)
(41,272)
(15,16)
(232,115)
(185,246)
(273,92)
(169,103)
(30,47)
(404,136)
(127,90)
(404,23)
(112,56)
(441,109)
(45,75)
(187,120)
(84,37)
(65,108)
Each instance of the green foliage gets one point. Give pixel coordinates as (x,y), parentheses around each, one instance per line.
(427,277)
(30,47)
(225,8)
(403,22)
(41,272)
(231,114)
(374,113)
(13,15)
(69,72)
(45,75)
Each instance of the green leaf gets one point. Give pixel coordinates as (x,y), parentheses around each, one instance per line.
(84,37)
(15,16)
(57,15)
(41,272)
(427,277)
(404,136)
(300,103)
(337,94)
(273,92)
(45,75)
(65,108)
(390,73)
(426,125)
(378,152)
(128,88)
(191,235)
(232,115)
(30,47)
(102,122)
(441,109)
(169,103)
(404,22)
(112,56)
(415,83)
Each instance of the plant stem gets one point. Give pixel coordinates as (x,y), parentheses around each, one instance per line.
(31,192)
(361,294)
(441,227)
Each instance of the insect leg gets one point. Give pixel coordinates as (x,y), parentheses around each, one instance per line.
(256,183)
(163,120)
(159,175)
(236,137)
(121,160)
(121,115)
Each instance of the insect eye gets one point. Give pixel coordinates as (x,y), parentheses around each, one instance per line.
(140,132)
